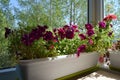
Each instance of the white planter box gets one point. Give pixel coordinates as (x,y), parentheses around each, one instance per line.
(52,69)
(115,59)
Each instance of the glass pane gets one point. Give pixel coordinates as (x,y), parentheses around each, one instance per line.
(112,7)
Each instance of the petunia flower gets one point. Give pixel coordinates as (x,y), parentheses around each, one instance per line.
(88,26)
(69,33)
(102,24)
(61,33)
(90,32)
(82,36)
(48,36)
(110,17)
(80,49)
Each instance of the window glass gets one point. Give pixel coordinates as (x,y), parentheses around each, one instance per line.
(112,7)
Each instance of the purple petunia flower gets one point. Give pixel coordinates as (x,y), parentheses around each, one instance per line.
(65,28)
(82,36)
(90,32)
(41,29)
(80,49)
(102,24)
(61,33)
(75,28)
(88,26)
(48,36)
(69,33)
(26,39)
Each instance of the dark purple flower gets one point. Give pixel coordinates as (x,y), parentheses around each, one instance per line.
(61,33)
(7,32)
(90,32)
(80,49)
(88,26)
(42,28)
(65,27)
(82,36)
(26,40)
(48,36)
(75,28)
(69,33)
(110,33)
(36,34)
(102,24)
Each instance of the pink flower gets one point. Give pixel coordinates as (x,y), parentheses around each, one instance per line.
(82,36)
(80,49)
(101,59)
(110,17)
(91,42)
(88,26)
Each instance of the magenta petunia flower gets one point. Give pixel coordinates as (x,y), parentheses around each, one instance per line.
(90,32)
(48,36)
(80,49)
(102,24)
(88,26)
(69,33)
(82,36)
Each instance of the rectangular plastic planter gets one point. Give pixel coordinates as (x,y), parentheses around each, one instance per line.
(45,69)
(115,59)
